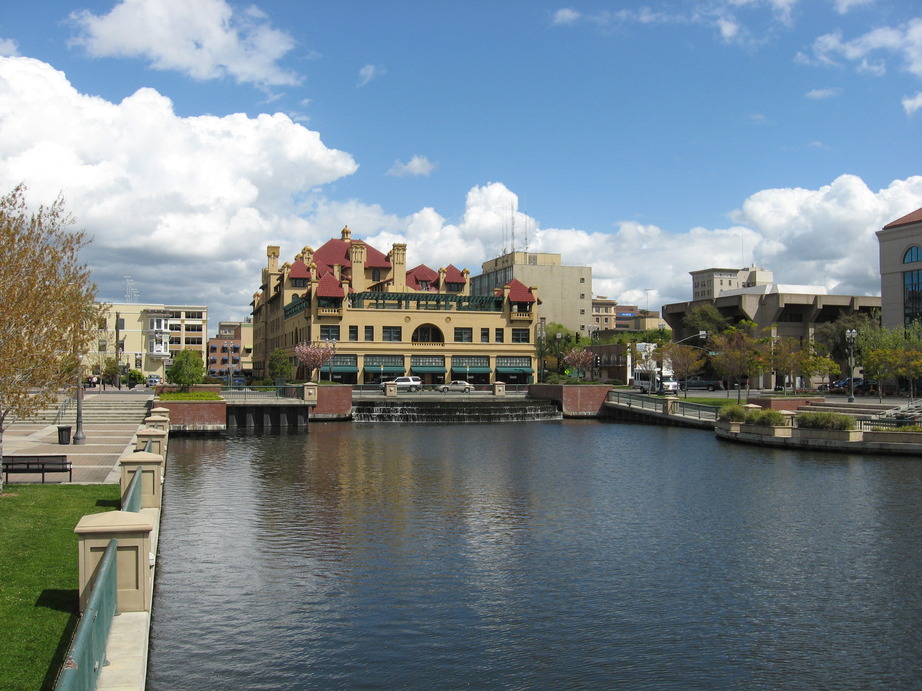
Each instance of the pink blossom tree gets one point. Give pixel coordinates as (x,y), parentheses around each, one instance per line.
(580,358)
(314,355)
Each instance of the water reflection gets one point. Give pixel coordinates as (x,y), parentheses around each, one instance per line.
(566,554)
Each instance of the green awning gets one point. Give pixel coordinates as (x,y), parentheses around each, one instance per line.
(387,369)
(514,370)
(428,370)
(344,369)
(471,370)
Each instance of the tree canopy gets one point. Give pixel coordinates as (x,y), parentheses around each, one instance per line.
(187,370)
(48,310)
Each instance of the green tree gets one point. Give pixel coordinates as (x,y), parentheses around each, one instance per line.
(684,360)
(738,356)
(187,370)
(48,310)
(280,366)
(110,371)
(705,317)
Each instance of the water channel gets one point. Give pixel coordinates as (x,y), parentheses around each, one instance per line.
(544,555)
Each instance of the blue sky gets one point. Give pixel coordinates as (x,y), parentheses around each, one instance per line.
(645,140)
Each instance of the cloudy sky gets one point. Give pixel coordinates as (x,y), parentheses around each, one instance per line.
(643,140)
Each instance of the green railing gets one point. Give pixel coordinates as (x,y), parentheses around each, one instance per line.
(87,654)
(132,499)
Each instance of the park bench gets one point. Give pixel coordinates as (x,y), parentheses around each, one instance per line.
(48,463)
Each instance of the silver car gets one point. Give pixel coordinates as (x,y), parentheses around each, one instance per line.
(464,386)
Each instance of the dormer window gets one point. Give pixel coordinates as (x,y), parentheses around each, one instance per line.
(424,285)
(299,283)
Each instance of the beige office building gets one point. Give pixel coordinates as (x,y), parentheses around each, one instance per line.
(901,270)
(385,319)
(145,337)
(566,291)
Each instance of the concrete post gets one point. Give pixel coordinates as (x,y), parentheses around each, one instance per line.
(134,559)
(158,422)
(151,476)
(670,405)
(309,393)
(163,412)
(157,437)
(390,389)
(499,388)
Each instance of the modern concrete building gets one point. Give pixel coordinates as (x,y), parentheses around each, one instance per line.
(145,337)
(566,291)
(900,244)
(778,310)
(230,353)
(386,320)
(709,283)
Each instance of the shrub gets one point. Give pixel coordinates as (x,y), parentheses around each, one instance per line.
(190,396)
(766,418)
(825,421)
(732,412)
(904,428)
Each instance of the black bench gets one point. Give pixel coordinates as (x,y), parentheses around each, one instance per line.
(50,463)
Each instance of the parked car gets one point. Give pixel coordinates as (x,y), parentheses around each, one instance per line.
(405,384)
(153,379)
(700,383)
(464,386)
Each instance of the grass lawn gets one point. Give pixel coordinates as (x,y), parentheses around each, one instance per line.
(38,576)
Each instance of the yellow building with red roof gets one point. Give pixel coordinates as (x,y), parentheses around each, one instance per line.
(386,320)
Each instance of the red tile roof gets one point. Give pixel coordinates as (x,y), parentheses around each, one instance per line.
(453,275)
(329,287)
(299,270)
(914,217)
(519,292)
(422,273)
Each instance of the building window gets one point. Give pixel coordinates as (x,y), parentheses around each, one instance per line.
(484,335)
(329,332)
(369,333)
(194,327)
(912,296)
(299,283)
(520,336)
(376,275)
(500,335)
(103,346)
(391,333)
(913,254)
(464,334)
(582,279)
(193,340)
(194,315)
(582,296)
(353,333)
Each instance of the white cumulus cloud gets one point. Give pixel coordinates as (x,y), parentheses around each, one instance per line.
(155,189)
(204,39)
(418,165)
(370,72)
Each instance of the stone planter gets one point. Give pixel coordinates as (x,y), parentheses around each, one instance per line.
(895,437)
(829,434)
(728,426)
(777,431)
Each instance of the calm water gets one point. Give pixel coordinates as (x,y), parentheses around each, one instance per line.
(536,556)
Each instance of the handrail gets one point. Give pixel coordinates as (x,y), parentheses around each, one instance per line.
(132,499)
(87,653)
(63,408)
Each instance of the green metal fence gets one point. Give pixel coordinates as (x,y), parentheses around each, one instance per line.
(87,654)
(132,499)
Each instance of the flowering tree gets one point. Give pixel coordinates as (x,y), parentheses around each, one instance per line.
(314,355)
(580,358)
(48,309)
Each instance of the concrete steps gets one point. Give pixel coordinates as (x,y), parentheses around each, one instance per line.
(862,409)
(99,409)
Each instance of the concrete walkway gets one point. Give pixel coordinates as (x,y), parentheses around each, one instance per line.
(96,461)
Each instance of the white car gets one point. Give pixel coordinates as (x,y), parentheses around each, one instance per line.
(464,386)
(405,384)
(153,379)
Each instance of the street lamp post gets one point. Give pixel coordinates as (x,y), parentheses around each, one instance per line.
(851,335)
(331,343)
(79,436)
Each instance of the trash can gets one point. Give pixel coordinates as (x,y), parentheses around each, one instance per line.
(64,434)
